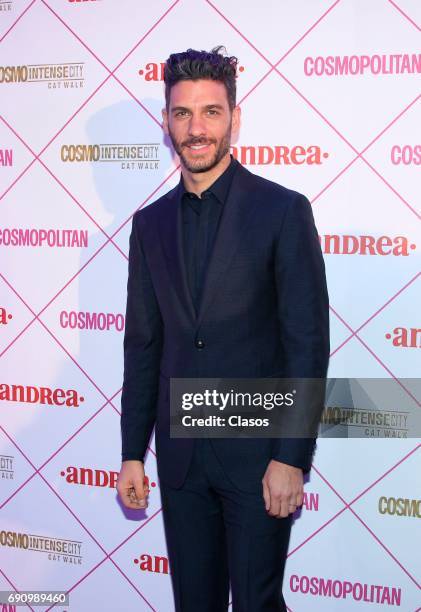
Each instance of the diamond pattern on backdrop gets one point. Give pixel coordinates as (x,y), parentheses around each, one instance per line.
(12,12)
(397,156)
(84,491)
(122,27)
(15,316)
(330,550)
(352,103)
(49,108)
(121,80)
(14,468)
(111,189)
(14,158)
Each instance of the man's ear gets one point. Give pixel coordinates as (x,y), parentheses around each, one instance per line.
(236,121)
(165,120)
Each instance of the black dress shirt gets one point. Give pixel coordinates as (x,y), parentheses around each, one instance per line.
(201,218)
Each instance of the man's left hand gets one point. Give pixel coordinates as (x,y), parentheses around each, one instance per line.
(282,488)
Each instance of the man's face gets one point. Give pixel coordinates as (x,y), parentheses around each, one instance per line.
(199,123)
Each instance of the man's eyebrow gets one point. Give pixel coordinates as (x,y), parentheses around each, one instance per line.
(207,107)
(178,108)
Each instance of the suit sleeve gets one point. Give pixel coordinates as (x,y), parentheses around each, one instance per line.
(142,353)
(303,306)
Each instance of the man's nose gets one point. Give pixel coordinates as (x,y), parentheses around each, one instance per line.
(197,125)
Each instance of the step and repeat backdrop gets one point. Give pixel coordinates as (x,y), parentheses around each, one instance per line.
(329,92)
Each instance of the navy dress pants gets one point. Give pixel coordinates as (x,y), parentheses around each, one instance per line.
(217,536)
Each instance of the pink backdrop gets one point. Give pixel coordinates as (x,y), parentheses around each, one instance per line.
(330,101)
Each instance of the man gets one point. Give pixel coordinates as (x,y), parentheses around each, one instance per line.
(226,279)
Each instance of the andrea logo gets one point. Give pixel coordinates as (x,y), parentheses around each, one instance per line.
(279,155)
(40,395)
(152,563)
(57,76)
(5,316)
(90,477)
(153,71)
(405,337)
(94,478)
(6,155)
(346,244)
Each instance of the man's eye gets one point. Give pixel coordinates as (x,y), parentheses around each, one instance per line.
(180,113)
(212,111)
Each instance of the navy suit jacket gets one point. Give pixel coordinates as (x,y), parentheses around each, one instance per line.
(264,312)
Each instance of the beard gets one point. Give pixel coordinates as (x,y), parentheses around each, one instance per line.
(207,162)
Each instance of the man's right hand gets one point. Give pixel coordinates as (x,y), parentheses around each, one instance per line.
(132,489)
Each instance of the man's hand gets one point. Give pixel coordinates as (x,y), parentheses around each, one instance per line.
(282,488)
(131,485)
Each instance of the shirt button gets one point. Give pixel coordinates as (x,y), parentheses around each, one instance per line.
(199,344)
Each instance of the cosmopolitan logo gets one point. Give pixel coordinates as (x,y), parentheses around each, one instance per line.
(139,156)
(57,549)
(6,155)
(346,244)
(279,155)
(152,563)
(343,589)
(351,65)
(65,76)
(403,337)
(153,71)
(406,155)
(57,238)
(398,506)
(374,423)
(6,467)
(311,501)
(5,316)
(94,478)
(40,395)
(98,321)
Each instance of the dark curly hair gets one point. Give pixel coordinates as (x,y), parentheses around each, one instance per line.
(192,65)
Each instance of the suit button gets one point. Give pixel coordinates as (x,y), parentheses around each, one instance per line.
(199,344)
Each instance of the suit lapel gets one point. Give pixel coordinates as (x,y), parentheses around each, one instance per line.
(170,233)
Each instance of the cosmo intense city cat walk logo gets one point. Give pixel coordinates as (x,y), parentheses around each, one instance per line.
(136,156)
(56,76)
(6,5)
(57,549)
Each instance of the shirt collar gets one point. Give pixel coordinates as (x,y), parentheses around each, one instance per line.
(220,187)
